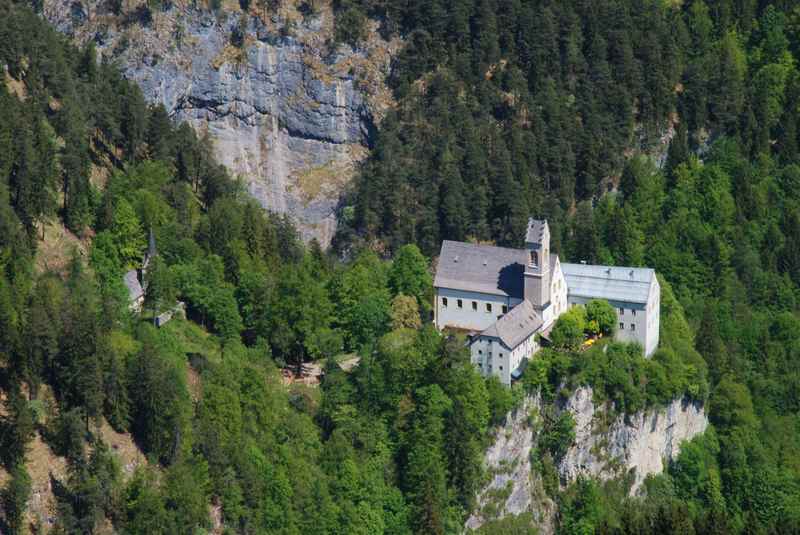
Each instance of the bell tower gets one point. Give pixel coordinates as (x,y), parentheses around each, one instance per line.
(537,268)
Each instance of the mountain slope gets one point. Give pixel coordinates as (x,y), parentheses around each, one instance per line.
(285,108)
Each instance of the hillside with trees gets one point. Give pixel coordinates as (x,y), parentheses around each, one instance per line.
(505,110)
(560,109)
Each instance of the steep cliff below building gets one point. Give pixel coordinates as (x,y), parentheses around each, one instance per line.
(606,446)
(286,109)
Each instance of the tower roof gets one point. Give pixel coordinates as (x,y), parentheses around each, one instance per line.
(536,230)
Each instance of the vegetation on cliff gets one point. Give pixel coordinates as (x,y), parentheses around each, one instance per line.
(507,109)
(504,109)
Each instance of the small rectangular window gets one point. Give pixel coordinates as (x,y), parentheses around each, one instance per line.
(444,301)
(621,311)
(501,367)
(460,304)
(621,326)
(633,326)
(505,309)
(474,305)
(480,352)
(633,312)
(488,307)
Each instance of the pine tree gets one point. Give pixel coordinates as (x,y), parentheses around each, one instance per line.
(79,375)
(127,232)
(453,211)
(75,166)
(159,131)
(678,151)
(728,90)
(116,402)
(42,332)
(15,498)
(425,473)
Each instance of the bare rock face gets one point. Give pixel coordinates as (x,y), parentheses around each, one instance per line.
(605,447)
(287,110)
(644,442)
(513,488)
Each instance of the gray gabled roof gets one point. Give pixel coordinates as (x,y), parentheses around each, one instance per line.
(613,283)
(516,326)
(135,290)
(481,268)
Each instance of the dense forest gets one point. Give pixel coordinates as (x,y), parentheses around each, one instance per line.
(505,109)
(561,110)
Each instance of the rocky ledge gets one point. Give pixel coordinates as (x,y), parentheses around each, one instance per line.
(605,447)
(286,109)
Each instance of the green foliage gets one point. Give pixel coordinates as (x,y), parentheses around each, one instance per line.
(410,275)
(350,22)
(160,406)
(504,110)
(361,297)
(621,374)
(15,498)
(567,333)
(425,476)
(602,316)
(509,525)
(557,435)
(127,233)
(501,400)
(405,312)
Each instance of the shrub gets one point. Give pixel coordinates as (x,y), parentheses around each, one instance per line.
(567,333)
(558,435)
(501,400)
(350,24)
(601,314)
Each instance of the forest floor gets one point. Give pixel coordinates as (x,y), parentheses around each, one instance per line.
(312,372)
(55,251)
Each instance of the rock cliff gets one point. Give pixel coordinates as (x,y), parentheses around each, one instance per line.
(605,447)
(285,108)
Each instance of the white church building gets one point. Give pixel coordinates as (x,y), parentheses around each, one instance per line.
(504,297)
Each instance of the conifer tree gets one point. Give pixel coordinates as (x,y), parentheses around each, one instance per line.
(15,496)
(425,475)
(453,205)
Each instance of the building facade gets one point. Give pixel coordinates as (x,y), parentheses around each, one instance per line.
(633,292)
(504,297)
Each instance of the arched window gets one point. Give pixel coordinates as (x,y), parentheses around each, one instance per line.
(534,261)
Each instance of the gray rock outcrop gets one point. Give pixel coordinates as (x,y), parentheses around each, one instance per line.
(606,447)
(643,442)
(513,488)
(287,110)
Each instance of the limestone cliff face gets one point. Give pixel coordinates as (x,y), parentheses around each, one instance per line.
(513,487)
(286,109)
(643,442)
(605,447)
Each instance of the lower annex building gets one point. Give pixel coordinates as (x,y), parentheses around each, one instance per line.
(504,297)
